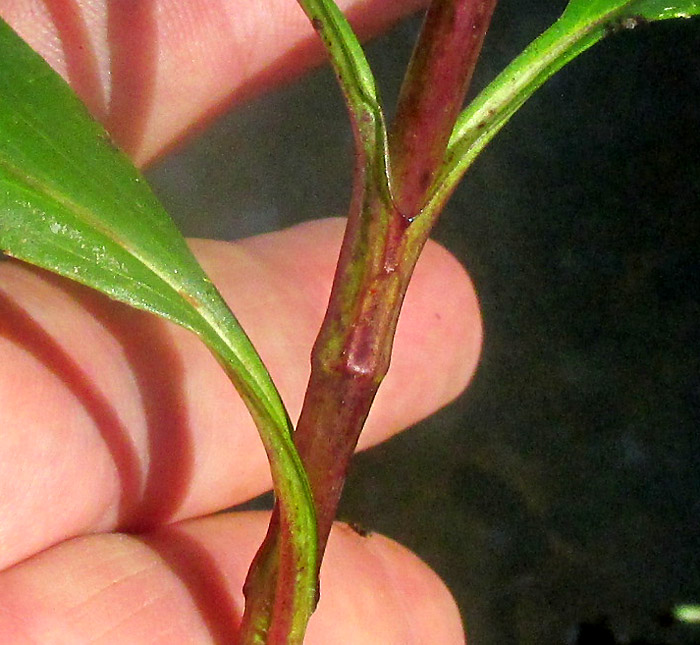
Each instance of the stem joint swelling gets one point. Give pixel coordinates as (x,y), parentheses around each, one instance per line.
(360,350)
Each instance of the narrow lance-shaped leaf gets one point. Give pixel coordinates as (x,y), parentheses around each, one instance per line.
(583,23)
(72,203)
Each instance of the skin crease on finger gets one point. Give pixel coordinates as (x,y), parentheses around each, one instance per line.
(181,584)
(153,71)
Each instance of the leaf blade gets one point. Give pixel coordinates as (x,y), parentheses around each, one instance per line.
(98,223)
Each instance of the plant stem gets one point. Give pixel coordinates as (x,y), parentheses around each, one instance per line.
(381,246)
(432,95)
(350,358)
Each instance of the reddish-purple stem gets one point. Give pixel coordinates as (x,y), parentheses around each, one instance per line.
(352,352)
(433,93)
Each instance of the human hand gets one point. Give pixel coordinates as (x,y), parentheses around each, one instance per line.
(122,436)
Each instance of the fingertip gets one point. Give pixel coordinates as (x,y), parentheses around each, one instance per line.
(442,286)
(373,590)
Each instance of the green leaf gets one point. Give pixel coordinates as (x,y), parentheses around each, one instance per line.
(588,11)
(72,203)
(583,23)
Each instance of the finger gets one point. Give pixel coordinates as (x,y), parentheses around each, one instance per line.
(115,418)
(182,584)
(152,70)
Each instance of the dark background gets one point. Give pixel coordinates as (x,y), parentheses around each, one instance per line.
(564,485)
